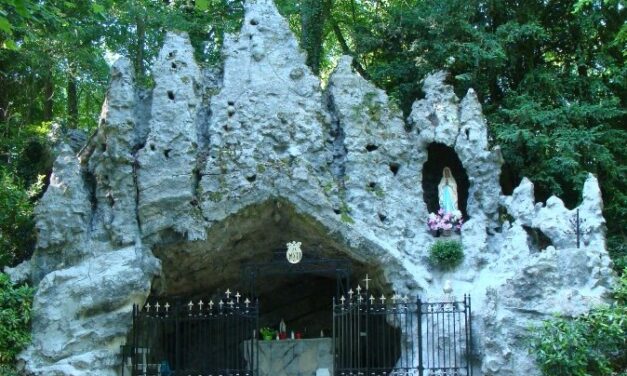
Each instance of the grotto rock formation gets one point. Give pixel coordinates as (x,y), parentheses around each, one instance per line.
(163,194)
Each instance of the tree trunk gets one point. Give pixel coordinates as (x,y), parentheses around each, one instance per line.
(345,49)
(141,42)
(72,102)
(48,93)
(313,16)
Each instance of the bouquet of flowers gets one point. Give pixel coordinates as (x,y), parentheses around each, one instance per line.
(445,221)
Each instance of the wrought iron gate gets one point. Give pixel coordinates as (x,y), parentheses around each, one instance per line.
(392,336)
(201,338)
(445,338)
(367,335)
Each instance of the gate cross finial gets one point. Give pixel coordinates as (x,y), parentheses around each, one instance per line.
(247,302)
(190,305)
(200,304)
(211,304)
(167,307)
(237,296)
(382,299)
(147,307)
(157,306)
(367,280)
(227,293)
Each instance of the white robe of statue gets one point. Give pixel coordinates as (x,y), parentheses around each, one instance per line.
(447,192)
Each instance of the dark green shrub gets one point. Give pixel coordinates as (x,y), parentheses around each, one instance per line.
(446,254)
(592,344)
(17,233)
(8,371)
(15,309)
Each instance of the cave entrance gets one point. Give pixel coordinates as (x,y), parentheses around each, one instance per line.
(299,294)
(226,289)
(439,157)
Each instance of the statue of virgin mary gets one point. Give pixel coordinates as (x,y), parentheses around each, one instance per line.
(447,191)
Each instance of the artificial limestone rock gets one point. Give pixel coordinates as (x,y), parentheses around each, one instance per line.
(166,171)
(111,161)
(63,215)
(180,187)
(66,318)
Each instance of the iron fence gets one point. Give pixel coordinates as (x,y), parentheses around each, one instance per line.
(200,338)
(369,334)
(392,336)
(445,337)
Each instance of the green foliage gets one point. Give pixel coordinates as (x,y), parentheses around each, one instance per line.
(592,344)
(17,234)
(6,370)
(620,291)
(267,333)
(446,254)
(15,308)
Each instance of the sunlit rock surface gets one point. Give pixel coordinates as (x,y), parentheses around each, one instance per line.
(179,187)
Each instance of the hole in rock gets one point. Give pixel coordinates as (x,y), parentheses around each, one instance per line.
(110,199)
(508,179)
(433,118)
(173,65)
(254,22)
(382,217)
(467,131)
(166,153)
(537,239)
(251,178)
(171,94)
(152,147)
(439,157)
(394,167)
(246,253)
(371,147)
(103,147)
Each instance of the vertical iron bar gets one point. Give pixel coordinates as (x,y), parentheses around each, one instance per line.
(419,311)
(257,335)
(430,327)
(177,339)
(334,340)
(469,345)
(364,348)
(578,228)
(455,340)
(443,344)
